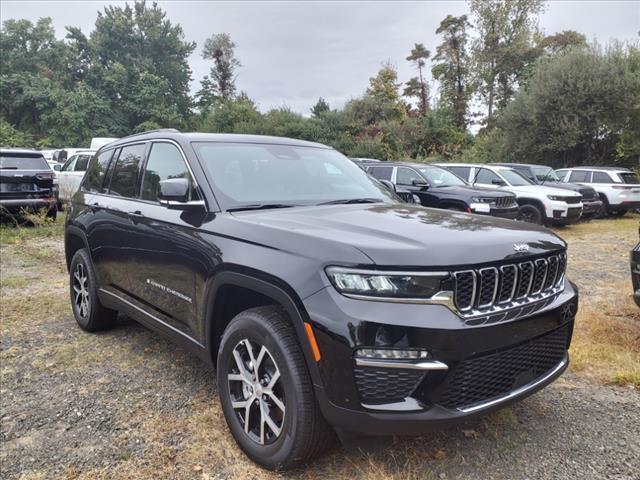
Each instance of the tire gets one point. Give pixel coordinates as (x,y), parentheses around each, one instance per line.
(301,431)
(89,313)
(52,213)
(530,214)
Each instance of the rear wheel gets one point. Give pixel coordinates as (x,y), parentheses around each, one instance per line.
(530,214)
(87,309)
(266,393)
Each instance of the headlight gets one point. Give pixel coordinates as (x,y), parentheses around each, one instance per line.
(400,285)
(555,198)
(476,199)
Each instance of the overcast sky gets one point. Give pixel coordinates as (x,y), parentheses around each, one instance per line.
(294,52)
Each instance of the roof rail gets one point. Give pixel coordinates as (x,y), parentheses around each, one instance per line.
(173,130)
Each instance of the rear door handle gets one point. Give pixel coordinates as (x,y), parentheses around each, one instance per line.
(136,216)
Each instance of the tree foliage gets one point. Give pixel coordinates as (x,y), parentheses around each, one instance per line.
(417,86)
(219,85)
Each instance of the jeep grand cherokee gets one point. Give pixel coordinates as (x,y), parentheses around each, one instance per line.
(324,303)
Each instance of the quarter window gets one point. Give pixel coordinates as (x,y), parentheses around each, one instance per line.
(165,162)
(97,169)
(462,172)
(406,176)
(124,180)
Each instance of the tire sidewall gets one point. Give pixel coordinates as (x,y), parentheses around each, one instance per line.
(277,453)
(82,257)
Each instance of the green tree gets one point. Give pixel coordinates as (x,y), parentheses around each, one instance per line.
(562,42)
(452,67)
(320,107)
(576,109)
(417,87)
(503,48)
(219,85)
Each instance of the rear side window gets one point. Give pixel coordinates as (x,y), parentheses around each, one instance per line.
(601,177)
(629,177)
(381,173)
(97,170)
(165,162)
(580,176)
(124,180)
(23,162)
(70,164)
(462,172)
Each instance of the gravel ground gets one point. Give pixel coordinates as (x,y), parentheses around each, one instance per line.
(128,404)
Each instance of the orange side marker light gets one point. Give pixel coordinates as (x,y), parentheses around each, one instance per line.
(312,341)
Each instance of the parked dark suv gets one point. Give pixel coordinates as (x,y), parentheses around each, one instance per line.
(26,182)
(543,175)
(439,188)
(325,304)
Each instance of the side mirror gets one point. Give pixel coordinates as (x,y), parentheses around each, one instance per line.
(57,167)
(388,184)
(498,182)
(174,194)
(420,184)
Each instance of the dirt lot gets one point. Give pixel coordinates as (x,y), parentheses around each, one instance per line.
(127,404)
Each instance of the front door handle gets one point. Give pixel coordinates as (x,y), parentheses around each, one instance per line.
(135,216)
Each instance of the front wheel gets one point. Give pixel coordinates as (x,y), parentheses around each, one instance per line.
(266,393)
(530,214)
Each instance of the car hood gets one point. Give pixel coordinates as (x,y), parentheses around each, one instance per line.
(544,190)
(392,235)
(470,191)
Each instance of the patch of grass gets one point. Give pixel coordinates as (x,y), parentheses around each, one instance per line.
(606,338)
(14,282)
(12,233)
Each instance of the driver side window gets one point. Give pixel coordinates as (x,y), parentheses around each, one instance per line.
(165,162)
(486,177)
(406,176)
(70,165)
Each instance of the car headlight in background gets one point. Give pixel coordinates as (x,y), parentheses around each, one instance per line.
(555,198)
(407,286)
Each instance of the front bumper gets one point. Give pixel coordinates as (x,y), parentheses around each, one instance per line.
(591,207)
(509,213)
(439,397)
(565,217)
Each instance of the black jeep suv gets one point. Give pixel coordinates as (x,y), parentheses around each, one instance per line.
(543,175)
(325,304)
(437,187)
(26,182)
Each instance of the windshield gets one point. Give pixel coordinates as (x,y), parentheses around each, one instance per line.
(514,178)
(23,162)
(439,177)
(251,174)
(629,177)
(545,174)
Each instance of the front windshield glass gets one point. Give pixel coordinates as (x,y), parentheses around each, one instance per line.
(439,177)
(514,179)
(545,174)
(250,174)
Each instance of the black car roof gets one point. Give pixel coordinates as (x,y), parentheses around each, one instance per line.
(173,134)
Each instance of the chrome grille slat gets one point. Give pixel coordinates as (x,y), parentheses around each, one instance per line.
(490,290)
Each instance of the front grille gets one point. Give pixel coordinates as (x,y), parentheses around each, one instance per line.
(572,199)
(385,385)
(505,202)
(485,290)
(481,379)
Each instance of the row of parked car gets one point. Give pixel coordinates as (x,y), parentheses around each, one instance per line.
(532,193)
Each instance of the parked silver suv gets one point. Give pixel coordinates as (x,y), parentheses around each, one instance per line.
(619,188)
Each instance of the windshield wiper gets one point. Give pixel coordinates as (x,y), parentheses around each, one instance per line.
(352,200)
(260,206)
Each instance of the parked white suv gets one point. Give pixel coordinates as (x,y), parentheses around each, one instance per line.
(619,188)
(71,173)
(538,203)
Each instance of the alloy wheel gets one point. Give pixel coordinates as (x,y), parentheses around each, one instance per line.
(81,291)
(257,396)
